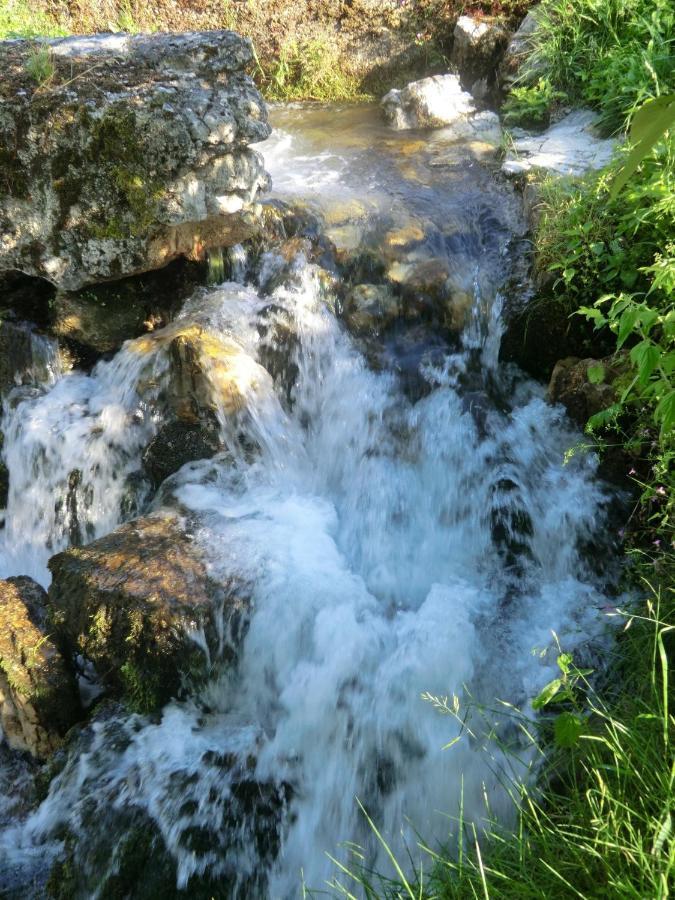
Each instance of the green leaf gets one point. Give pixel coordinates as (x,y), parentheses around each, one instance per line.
(649,125)
(593,314)
(645,357)
(627,322)
(663,834)
(547,694)
(564,661)
(567,729)
(665,412)
(605,416)
(596,374)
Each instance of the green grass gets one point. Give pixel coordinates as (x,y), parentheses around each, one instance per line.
(308,70)
(611,55)
(19,19)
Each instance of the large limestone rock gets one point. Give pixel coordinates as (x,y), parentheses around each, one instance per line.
(135,151)
(140,604)
(430,103)
(38,695)
(570,147)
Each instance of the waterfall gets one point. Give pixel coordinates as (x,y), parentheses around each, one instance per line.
(396,544)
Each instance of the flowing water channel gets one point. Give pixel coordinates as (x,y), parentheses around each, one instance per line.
(408,523)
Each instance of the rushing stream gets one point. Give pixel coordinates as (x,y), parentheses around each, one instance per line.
(407,524)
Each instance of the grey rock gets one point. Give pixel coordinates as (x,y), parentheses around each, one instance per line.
(134,153)
(519,63)
(478,45)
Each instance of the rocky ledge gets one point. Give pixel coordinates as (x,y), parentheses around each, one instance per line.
(120,153)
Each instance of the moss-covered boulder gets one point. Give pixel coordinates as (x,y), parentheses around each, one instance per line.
(122,152)
(39,701)
(140,604)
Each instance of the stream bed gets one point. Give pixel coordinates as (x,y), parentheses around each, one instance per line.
(409,522)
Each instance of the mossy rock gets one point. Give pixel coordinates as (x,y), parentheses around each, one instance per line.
(39,701)
(129,602)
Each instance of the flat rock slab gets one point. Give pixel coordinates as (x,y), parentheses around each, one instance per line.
(140,604)
(126,151)
(570,147)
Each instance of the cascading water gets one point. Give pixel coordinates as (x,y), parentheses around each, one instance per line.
(397,540)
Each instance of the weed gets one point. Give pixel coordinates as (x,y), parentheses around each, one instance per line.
(40,65)
(530,106)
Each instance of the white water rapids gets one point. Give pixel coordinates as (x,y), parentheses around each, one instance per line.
(374,527)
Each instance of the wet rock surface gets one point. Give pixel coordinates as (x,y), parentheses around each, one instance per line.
(133,153)
(430,103)
(176,444)
(570,147)
(139,604)
(38,695)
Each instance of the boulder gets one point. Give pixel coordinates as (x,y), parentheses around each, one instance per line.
(571,386)
(477,49)
(570,147)
(210,374)
(430,103)
(371,308)
(134,151)
(518,63)
(141,606)
(176,444)
(39,701)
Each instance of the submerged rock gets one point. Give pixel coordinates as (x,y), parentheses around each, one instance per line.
(371,308)
(570,147)
(134,152)
(430,103)
(141,606)
(38,694)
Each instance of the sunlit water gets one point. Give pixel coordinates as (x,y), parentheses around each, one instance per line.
(396,543)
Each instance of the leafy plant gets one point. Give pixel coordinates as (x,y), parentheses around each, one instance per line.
(530,106)
(609,54)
